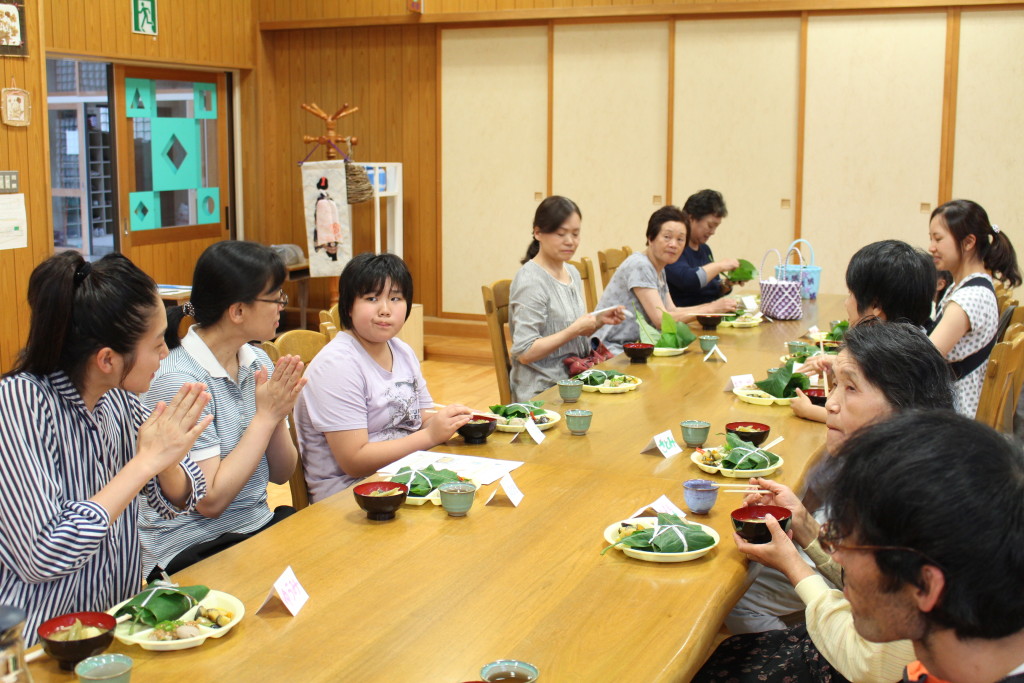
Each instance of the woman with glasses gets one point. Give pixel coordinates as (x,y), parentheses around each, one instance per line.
(883,369)
(236,298)
(639,282)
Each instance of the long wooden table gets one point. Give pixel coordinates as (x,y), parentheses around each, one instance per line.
(428,597)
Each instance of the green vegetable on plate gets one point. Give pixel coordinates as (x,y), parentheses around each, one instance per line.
(838,331)
(671,336)
(523,410)
(162,603)
(783,382)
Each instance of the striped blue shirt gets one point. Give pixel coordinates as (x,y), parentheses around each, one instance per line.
(233,406)
(59,552)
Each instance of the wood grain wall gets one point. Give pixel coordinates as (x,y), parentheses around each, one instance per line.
(292,14)
(24,150)
(390,73)
(204,33)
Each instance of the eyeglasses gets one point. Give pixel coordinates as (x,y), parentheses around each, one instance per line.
(283,301)
(830,541)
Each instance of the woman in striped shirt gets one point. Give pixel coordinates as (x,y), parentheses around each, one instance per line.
(236,297)
(78,446)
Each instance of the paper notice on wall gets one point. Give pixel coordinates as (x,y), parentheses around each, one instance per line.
(13,222)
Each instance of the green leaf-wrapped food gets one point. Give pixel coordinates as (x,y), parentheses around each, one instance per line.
(783,383)
(424,481)
(838,331)
(744,273)
(523,410)
(670,535)
(162,603)
(671,336)
(742,455)
(595,378)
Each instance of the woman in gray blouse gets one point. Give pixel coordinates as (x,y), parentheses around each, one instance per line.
(546,313)
(639,282)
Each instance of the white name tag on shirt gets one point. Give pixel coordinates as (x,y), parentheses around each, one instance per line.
(663,504)
(749,304)
(289,591)
(739,381)
(664,442)
(511,490)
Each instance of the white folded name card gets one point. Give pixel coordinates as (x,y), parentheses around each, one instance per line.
(663,504)
(289,591)
(664,442)
(739,381)
(511,490)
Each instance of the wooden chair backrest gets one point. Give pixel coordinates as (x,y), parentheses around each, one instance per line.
(496,298)
(610,259)
(305,344)
(586,268)
(1004,378)
(331,316)
(328,330)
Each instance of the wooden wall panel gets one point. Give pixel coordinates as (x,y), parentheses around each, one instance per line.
(494,154)
(873,133)
(302,14)
(610,127)
(736,127)
(987,161)
(390,74)
(24,150)
(219,33)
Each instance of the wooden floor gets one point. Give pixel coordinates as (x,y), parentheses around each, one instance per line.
(464,380)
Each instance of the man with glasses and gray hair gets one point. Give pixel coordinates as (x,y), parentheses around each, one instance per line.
(926,519)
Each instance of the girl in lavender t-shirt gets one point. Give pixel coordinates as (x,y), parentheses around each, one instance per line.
(363,406)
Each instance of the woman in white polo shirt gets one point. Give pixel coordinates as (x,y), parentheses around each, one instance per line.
(236,297)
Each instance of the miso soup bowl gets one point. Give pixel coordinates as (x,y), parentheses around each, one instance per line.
(749,522)
(754,433)
(380,508)
(71,652)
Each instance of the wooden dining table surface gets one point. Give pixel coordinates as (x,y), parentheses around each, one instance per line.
(428,597)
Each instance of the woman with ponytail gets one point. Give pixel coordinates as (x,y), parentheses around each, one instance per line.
(236,298)
(78,446)
(964,242)
(547,317)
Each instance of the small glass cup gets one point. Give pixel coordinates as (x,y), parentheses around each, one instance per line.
(457,497)
(578,421)
(112,668)
(700,495)
(570,390)
(695,432)
(708,342)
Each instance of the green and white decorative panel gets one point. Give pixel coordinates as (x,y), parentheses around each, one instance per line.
(145,210)
(205,97)
(208,204)
(175,136)
(139,97)
(175,154)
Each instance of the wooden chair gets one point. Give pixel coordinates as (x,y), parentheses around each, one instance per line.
(271,350)
(610,259)
(496,297)
(586,268)
(1004,378)
(331,316)
(305,344)
(328,330)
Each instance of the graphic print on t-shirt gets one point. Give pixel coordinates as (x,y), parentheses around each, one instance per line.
(403,409)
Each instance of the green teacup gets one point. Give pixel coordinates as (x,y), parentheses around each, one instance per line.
(794,347)
(457,497)
(708,342)
(570,389)
(110,668)
(695,432)
(578,421)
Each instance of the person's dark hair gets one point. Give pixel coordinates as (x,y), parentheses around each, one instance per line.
(665,214)
(79,308)
(704,203)
(227,273)
(951,489)
(548,218)
(367,274)
(900,361)
(964,217)
(894,276)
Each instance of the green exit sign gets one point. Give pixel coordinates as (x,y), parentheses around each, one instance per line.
(144,17)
